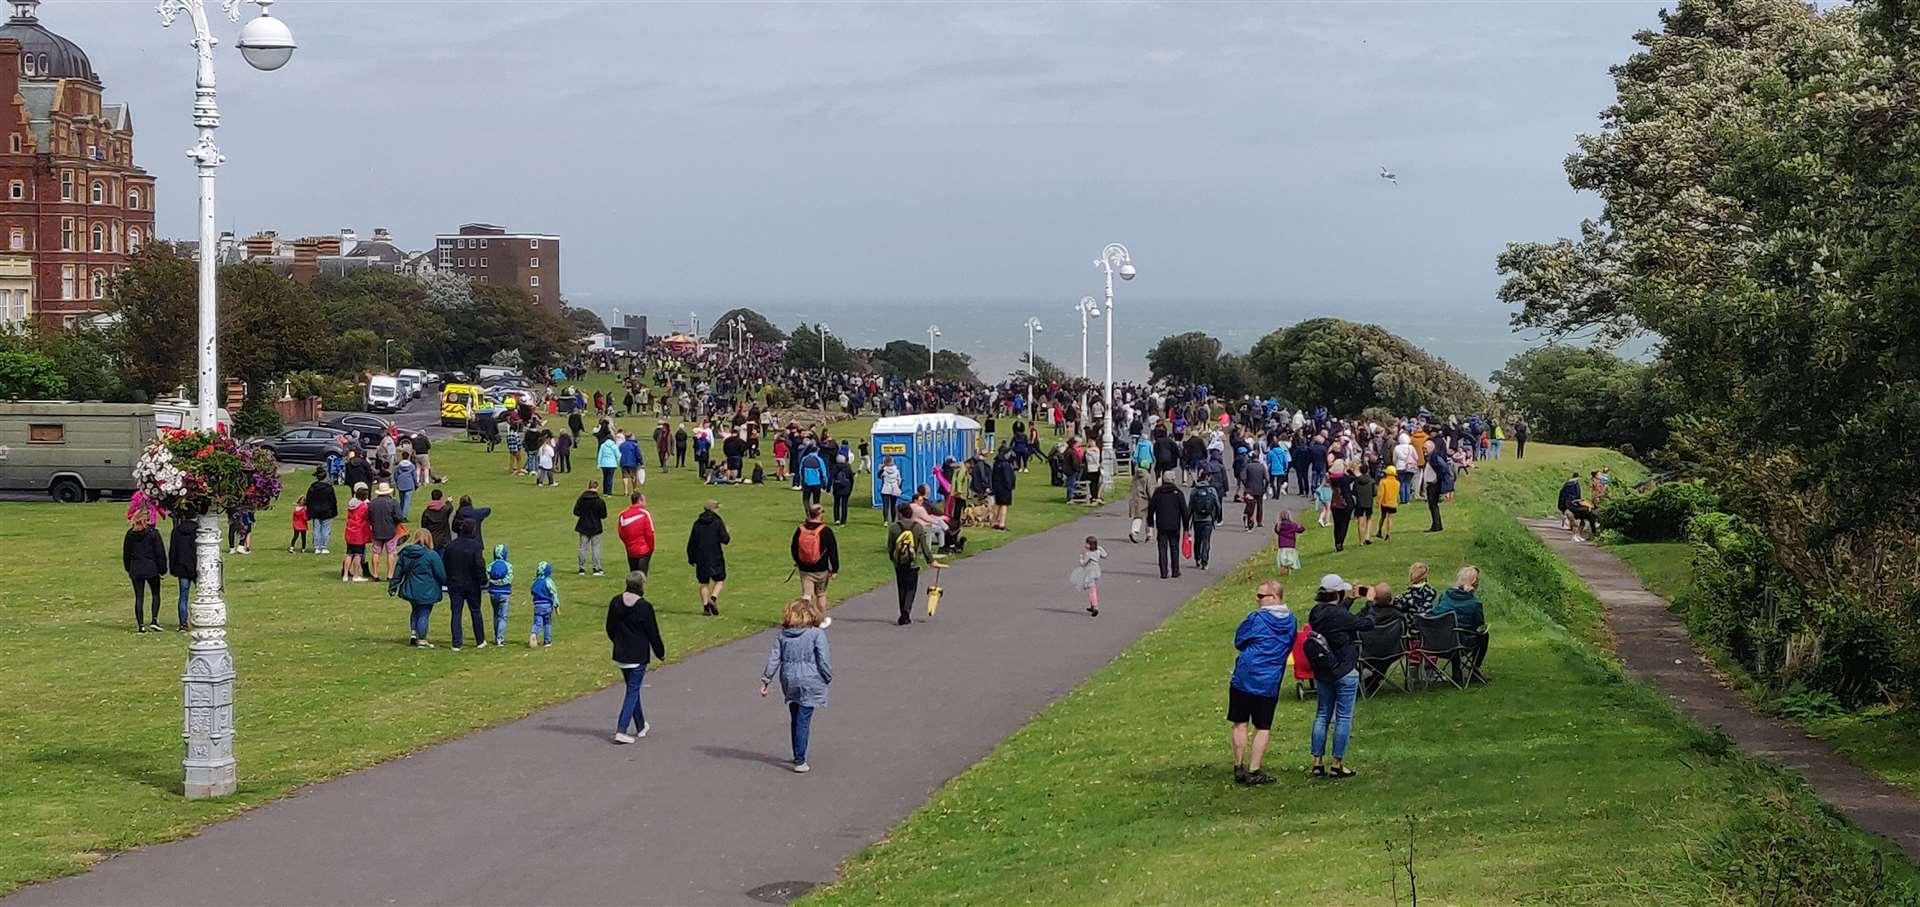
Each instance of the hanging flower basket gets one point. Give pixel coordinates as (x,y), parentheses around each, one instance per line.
(203,472)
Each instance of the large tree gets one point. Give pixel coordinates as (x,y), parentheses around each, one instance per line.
(803,350)
(269,326)
(1587,396)
(154,301)
(1350,367)
(762,330)
(1189,358)
(584,321)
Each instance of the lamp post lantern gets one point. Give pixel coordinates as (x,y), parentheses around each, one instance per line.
(207,685)
(933,330)
(1113,259)
(1087,309)
(1033,327)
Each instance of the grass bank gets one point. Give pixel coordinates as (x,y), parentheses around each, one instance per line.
(1563,782)
(90,711)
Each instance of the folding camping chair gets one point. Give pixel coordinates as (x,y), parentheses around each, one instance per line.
(1380,649)
(1439,642)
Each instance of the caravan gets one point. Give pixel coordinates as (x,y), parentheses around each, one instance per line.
(72,451)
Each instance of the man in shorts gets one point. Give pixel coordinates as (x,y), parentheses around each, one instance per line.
(384,518)
(1265,639)
(816,556)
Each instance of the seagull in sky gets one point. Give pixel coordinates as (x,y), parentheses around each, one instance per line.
(1389,175)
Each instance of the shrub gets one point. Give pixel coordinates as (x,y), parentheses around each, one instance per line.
(1660,514)
(254,421)
(306,384)
(30,375)
(339,395)
(1773,853)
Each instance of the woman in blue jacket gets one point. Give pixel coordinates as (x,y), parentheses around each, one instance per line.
(800,658)
(1264,639)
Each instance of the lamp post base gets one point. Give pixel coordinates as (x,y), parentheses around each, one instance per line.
(208,688)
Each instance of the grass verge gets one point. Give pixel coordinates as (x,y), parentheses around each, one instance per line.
(1563,782)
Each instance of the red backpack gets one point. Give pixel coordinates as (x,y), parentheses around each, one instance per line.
(810,545)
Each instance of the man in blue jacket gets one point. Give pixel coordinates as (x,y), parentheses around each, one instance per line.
(1265,639)
(813,478)
(1278,462)
(630,463)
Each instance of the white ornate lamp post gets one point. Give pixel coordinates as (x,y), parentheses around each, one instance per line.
(1113,259)
(207,684)
(933,330)
(1033,327)
(1087,309)
(824,331)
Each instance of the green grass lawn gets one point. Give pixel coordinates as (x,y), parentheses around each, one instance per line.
(1666,568)
(91,710)
(1560,783)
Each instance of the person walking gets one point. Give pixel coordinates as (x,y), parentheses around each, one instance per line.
(803,662)
(384,519)
(1001,483)
(1361,481)
(1086,576)
(182,559)
(322,508)
(1340,504)
(631,461)
(418,577)
(706,553)
(1253,492)
(406,478)
(816,556)
(1336,672)
(841,483)
(1438,487)
(144,556)
(1264,640)
(634,631)
(589,521)
(1278,461)
(1520,432)
(423,459)
(1388,501)
(359,533)
(1167,511)
(813,479)
(907,546)
(890,485)
(1139,493)
(1204,511)
(608,459)
(636,534)
(466,566)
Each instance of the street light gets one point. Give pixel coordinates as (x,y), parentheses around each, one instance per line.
(388,347)
(933,330)
(1087,309)
(207,685)
(1033,327)
(1113,258)
(824,331)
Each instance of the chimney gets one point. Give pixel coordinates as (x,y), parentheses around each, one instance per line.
(10,70)
(349,237)
(262,244)
(306,260)
(380,235)
(326,245)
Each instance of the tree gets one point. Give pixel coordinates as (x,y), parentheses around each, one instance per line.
(30,375)
(1586,396)
(155,298)
(269,326)
(803,350)
(1042,372)
(1349,367)
(1189,358)
(762,330)
(909,359)
(584,321)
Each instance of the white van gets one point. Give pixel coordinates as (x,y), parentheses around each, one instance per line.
(173,412)
(384,394)
(419,378)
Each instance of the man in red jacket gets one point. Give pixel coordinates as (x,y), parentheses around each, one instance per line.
(636,532)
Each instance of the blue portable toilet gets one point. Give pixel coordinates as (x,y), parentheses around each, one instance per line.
(918,444)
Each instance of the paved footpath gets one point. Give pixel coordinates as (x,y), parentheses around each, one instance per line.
(1654,645)
(547,811)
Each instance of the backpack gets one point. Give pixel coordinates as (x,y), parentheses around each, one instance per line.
(1339,499)
(903,548)
(498,570)
(810,544)
(1319,653)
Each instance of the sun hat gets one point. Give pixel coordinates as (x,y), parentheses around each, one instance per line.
(1333,583)
(383,488)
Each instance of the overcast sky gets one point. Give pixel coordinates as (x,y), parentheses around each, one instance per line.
(906,150)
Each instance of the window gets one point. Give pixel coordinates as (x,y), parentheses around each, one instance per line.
(463,262)
(99,237)
(26,64)
(8,314)
(66,185)
(66,236)
(13,143)
(483,244)
(17,239)
(483,262)
(481,279)
(536,280)
(133,239)
(533,263)
(67,280)
(17,190)
(99,195)
(463,244)
(46,434)
(446,259)
(446,244)
(93,151)
(533,244)
(43,64)
(133,199)
(99,285)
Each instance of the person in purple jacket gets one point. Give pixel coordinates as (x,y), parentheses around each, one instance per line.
(1286,534)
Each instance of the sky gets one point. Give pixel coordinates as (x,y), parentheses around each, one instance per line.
(906,152)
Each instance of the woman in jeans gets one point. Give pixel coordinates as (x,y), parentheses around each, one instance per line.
(1338,681)
(419,575)
(801,659)
(635,634)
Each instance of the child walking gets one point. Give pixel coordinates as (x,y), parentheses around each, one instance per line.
(1323,501)
(500,591)
(1086,577)
(546,600)
(800,658)
(1286,534)
(299,539)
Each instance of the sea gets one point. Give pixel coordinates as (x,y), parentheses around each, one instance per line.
(1474,337)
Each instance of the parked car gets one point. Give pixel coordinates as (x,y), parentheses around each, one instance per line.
(417,376)
(303,445)
(384,394)
(368,428)
(409,389)
(72,451)
(434,379)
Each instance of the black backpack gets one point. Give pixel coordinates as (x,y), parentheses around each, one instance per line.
(1319,653)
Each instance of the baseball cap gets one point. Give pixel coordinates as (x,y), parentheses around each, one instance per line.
(1333,583)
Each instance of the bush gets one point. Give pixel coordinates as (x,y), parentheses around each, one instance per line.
(30,375)
(1774,853)
(255,421)
(306,384)
(1660,515)
(340,395)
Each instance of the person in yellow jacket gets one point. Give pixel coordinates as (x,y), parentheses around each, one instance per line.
(1388,500)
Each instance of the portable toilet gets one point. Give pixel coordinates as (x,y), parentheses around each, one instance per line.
(918,444)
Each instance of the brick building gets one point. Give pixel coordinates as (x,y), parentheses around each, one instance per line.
(73,206)
(487,254)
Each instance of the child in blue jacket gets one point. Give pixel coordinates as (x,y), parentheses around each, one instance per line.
(499,589)
(546,600)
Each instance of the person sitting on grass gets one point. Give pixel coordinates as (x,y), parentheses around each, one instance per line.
(1264,639)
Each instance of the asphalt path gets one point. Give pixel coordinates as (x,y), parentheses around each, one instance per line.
(547,810)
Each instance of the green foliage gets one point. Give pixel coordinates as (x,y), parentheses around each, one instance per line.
(89,359)
(255,421)
(304,384)
(909,359)
(1586,396)
(155,299)
(342,395)
(31,376)
(1660,515)
(269,326)
(757,324)
(1188,358)
(803,350)
(1042,372)
(1349,367)
(1780,850)
(584,321)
